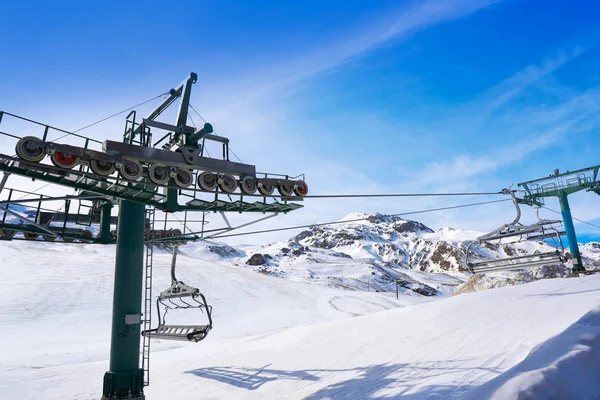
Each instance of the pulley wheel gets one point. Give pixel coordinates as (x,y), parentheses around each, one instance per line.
(103,168)
(49,238)
(285,190)
(249,185)
(87,236)
(207,181)
(266,189)
(176,232)
(113,234)
(301,188)
(30,235)
(228,184)
(27,150)
(183,178)
(7,233)
(62,160)
(131,170)
(159,174)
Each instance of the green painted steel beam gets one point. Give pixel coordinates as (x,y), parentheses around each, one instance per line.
(140,193)
(593,170)
(56,229)
(80,181)
(566,183)
(125,378)
(557,192)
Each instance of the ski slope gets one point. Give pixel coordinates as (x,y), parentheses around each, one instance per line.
(281,339)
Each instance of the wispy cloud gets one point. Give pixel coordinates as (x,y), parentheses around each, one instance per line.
(467,166)
(510,88)
(517,132)
(334,52)
(423,14)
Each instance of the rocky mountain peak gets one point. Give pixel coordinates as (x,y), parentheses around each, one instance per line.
(398,224)
(371,227)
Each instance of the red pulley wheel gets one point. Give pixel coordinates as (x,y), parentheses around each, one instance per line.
(63,161)
(301,188)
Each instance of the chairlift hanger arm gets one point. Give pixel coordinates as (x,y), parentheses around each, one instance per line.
(516,203)
(173,264)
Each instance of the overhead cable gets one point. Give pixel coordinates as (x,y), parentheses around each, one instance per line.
(576,219)
(331,196)
(360,219)
(114,115)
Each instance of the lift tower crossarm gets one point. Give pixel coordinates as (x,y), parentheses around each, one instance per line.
(566,183)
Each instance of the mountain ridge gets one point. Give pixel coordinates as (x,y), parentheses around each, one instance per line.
(378,252)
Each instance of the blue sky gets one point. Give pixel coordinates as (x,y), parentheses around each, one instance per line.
(377,96)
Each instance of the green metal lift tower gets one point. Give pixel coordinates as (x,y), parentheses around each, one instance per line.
(561,185)
(139,173)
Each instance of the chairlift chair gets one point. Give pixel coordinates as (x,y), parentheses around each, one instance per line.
(180,296)
(542,229)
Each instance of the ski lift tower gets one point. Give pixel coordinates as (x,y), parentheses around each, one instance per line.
(139,173)
(561,185)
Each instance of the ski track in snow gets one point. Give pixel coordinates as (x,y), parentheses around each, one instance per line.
(279,339)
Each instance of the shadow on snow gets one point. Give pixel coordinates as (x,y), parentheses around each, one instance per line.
(366,384)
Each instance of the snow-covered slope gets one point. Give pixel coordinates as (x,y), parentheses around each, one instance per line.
(276,338)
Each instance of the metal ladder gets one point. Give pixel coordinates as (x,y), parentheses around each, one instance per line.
(150,217)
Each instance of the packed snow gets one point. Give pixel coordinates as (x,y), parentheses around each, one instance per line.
(295,338)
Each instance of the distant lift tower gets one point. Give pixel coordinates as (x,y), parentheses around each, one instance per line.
(561,185)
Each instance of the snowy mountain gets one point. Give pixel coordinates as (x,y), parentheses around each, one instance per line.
(374,252)
(25,211)
(591,253)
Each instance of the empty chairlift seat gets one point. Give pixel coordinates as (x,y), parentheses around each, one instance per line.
(181,332)
(519,262)
(180,296)
(541,230)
